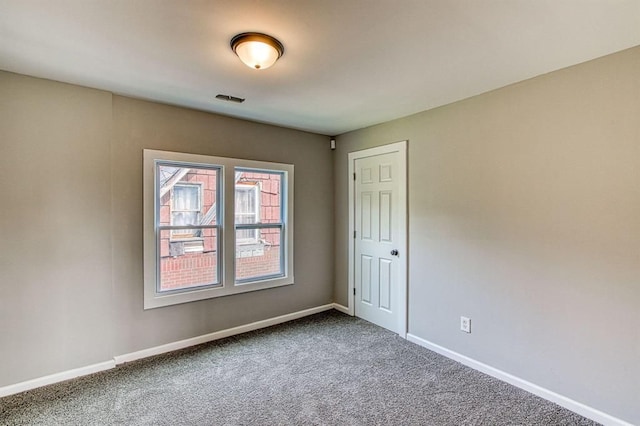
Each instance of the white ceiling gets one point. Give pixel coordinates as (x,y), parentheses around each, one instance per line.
(348,64)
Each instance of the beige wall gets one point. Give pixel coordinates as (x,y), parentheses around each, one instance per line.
(55,228)
(139,125)
(71,224)
(524,214)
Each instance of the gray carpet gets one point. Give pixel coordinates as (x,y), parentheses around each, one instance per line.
(327,369)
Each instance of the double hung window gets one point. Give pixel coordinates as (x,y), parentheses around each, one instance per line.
(214,226)
(259,224)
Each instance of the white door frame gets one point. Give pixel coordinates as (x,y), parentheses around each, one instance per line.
(403,247)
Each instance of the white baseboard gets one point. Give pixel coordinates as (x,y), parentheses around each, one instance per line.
(563,401)
(181,344)
(120,359)
(55,378)
(341,308)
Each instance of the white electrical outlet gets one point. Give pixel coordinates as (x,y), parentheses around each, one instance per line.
(465,324)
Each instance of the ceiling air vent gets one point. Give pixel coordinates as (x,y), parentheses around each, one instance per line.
(230,98)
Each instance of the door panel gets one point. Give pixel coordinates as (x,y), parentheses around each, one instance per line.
(385,217)
(366,212)
(366,278)
(385,284)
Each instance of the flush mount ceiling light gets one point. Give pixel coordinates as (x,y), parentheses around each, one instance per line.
(256,50)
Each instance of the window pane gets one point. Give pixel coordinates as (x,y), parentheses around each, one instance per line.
(258,196)
(260,259)
(186,263)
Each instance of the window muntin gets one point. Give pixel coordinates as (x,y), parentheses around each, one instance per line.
(214,230)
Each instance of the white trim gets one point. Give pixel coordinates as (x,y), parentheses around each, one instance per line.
(55,378)
(563,401)
(121,359)
(341,308)
(352,243)
(181,344)
(403,245)
(226,240)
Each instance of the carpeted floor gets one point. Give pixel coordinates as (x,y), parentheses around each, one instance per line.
(327,369)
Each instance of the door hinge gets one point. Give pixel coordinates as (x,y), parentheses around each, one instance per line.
(354,291)
(354,176)
(354,234)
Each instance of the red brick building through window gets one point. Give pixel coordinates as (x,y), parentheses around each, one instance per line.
(189,198)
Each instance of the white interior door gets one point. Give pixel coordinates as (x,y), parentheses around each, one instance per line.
(379,249)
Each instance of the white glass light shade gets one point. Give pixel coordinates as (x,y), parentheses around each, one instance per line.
(256,54)
(257,51)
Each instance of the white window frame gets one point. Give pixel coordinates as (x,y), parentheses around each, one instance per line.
(225,231)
